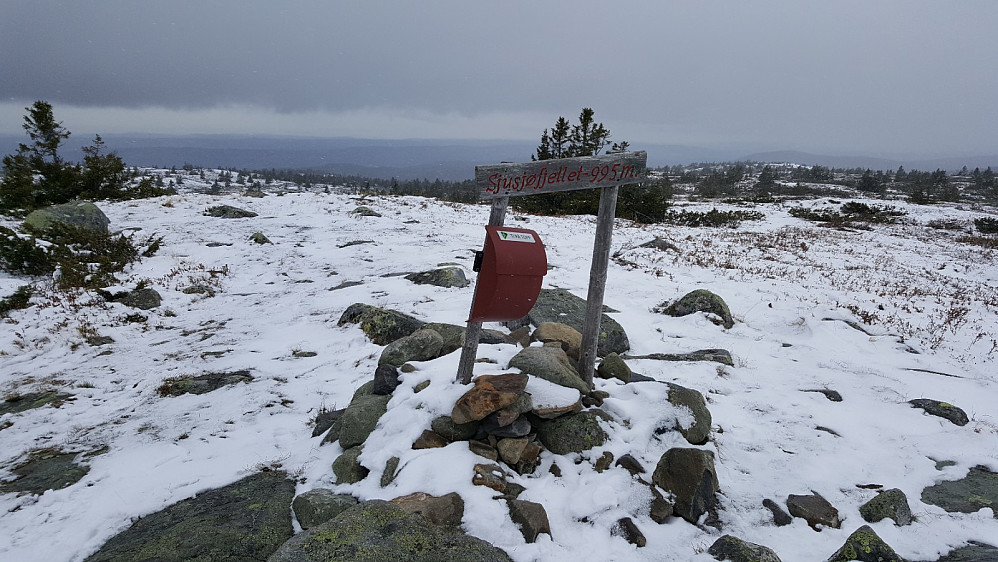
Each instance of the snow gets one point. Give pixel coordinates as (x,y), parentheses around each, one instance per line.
(798,291)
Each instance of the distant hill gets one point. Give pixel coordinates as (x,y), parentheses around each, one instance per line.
(808,159)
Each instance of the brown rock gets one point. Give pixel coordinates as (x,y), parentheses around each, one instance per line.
(604,461)
(530,517)
(429,440)
(569,338)
(490,393)
(490,476)
(814,509)
(483,450)
(520,336)
(511,450)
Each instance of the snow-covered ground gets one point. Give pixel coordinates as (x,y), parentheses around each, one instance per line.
(927,306)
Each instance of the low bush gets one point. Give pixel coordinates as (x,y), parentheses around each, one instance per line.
(17,301)
(986,225)
(712,217)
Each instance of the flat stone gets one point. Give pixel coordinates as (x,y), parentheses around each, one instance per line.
(438,510)
(977,490)
(943,410)
(551,364)
(317,506)
(443,277)
(489,394)
(46,469)
(429,440)
(814,509)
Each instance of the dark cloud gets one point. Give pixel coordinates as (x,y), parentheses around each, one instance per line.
(890,75)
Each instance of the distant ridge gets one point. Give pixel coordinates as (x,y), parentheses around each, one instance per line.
(952,164)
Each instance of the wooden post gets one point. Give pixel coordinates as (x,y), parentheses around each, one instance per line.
(469,352)
(597,283)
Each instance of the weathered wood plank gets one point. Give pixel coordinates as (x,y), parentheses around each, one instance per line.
(597,283)
(563,174)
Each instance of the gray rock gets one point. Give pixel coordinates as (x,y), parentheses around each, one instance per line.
(977,490)
(453,336)
(439,510)
(699,432)
(944,410)
(889,504)
(866,546)
(366,212)
(445,426)
(228,212)
(443,277)
(421,345)
(689,474)
(780,517)
(386,379)
(630,464)
(45,469)
(613,367)
(530,517)
(559,305)
(348,469)
(832,395)
(144,299)
(201,384)
(572,433)
(259,238)
(383,326)
(627,530)
(700,300)
(736,550)
(325,420)
(80,214)
(390,472)
(375,531)
(661,244)
(246,520)
(317,506)
(814,509)
(973,552)
(360,419)
(550,364)
(490,425)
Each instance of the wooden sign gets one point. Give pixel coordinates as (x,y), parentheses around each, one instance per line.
(563,174)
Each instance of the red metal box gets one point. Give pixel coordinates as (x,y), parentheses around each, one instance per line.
(513,265)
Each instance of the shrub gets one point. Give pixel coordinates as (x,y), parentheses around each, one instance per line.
(712,217)
(16,301)
(22,256)
(986,225)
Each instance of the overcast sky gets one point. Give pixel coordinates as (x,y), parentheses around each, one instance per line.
(863,76)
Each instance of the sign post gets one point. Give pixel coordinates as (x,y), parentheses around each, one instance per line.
(608,172)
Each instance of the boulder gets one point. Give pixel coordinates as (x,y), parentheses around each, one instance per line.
(377,530)
(444,277)
(559,305)
(736,550)
(317,506)
(551,364)
(569,338)
(689,475)
(697,430)
(79,214)
(889,504)
(421,345)
(246,520)
(700,300)
(145,298)
(383,326)
(977,490)
(489,394)
(814,509)
(347,467)
(572,433)
(943,410)
(613,367)
(438,510)
(866,546)
(360,418)
(228,212)
(530,517)
(550,400)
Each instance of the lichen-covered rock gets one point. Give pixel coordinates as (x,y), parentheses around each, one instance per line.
(421,345)
(613,367)
(80,214)
(943,410)
(382,325)
(145,298)
(46,469)
(16,403)
(559,305)
(572,433)
(736,550)
(700,300)
(889,504)
(201,384)
(446,277)
(360,418)
(550,364)
(695,430)
(228,212)
(377,530)
(814,509)
(260,238)
(866,546)
(347,467)
(317,506)
(246,520)
(689,474)
(979,489)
